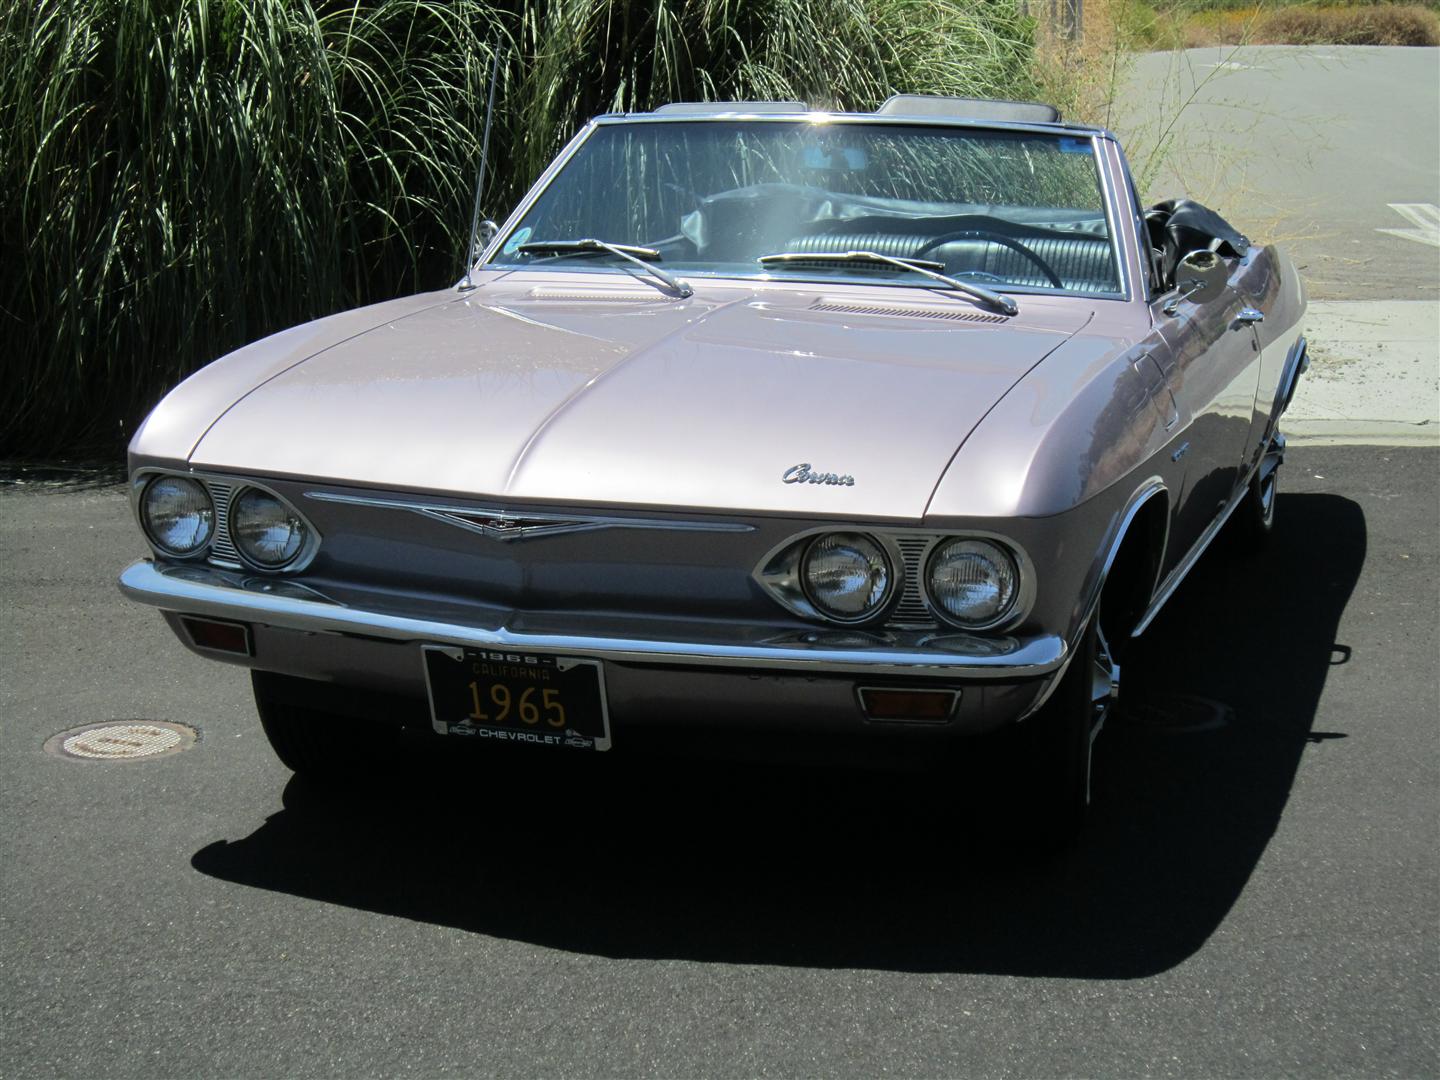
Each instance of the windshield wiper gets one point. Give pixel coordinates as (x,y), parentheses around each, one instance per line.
(918,266)
(629,252)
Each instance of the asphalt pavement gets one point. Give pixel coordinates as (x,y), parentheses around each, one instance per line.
(1259,894)
(1332,152)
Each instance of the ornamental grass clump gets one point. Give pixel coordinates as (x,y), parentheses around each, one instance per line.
(177,179)
(181,178)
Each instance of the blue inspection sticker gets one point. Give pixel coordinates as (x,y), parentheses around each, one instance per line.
(513,244)
(1074,146)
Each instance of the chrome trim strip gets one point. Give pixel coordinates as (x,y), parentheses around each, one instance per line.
(195,590)
(1148,490)
(545,524)
(1119,251)
(1081,131)
(542,182)
(1143,494)
(1297,362)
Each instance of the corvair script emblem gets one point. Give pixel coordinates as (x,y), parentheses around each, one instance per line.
(805,474)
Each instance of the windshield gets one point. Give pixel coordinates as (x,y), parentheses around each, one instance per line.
(1012,211)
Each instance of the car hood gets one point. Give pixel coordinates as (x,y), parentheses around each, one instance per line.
(603,396)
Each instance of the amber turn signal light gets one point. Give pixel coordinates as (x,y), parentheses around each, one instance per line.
(922,706)
(219,636)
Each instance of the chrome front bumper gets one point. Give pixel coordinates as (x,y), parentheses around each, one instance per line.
(192,589)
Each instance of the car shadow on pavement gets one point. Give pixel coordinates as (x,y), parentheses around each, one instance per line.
(901,870)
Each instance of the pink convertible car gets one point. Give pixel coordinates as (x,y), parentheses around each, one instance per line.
(748,416)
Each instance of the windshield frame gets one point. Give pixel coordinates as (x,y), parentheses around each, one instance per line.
(1096,137)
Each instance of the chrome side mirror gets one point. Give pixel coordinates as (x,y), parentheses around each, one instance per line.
(1200,276)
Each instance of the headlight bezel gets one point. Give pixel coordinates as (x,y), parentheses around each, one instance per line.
(144,486)
(309,540)
(220,548)
(909,607)
(1006,614)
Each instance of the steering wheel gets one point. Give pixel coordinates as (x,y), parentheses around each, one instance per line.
(979,275)
(1001,239)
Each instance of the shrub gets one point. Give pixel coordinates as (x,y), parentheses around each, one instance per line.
(178,178)
(1395,25)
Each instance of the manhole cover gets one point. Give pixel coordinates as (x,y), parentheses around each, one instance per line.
(1177,714)
(122,740)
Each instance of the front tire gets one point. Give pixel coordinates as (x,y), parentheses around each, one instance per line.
(313,742)
(1254,519)
(1057,743)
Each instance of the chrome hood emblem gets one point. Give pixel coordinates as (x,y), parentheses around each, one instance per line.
(506,528)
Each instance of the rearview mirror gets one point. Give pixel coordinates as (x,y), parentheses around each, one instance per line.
(1199,276)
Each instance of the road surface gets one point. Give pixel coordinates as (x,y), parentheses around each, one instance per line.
(1333,152)
(1257,898)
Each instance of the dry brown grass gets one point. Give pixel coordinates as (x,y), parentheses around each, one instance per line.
(1389,24)
(1082,76)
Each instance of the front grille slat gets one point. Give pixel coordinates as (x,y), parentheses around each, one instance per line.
(910,610)
(221,548)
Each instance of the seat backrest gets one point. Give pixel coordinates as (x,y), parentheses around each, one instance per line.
(1082,262)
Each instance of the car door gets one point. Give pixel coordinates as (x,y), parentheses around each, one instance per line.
(1211,367)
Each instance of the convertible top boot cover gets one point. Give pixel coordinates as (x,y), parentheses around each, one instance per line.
(1180,226)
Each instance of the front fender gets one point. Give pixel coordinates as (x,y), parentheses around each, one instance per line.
(1080,423)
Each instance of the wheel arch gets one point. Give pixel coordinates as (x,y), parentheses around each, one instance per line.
(1131,569)
(1125,579)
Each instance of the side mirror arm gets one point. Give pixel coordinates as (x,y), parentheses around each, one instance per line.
(1198,276)
(1184,290)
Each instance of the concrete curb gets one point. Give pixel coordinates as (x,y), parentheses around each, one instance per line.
(1374,375)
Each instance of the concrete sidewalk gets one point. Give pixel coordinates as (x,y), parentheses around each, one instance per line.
(1374,375)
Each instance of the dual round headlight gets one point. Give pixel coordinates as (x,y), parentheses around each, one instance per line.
(265,530)
(972,583)
(179,517)
(847,576)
